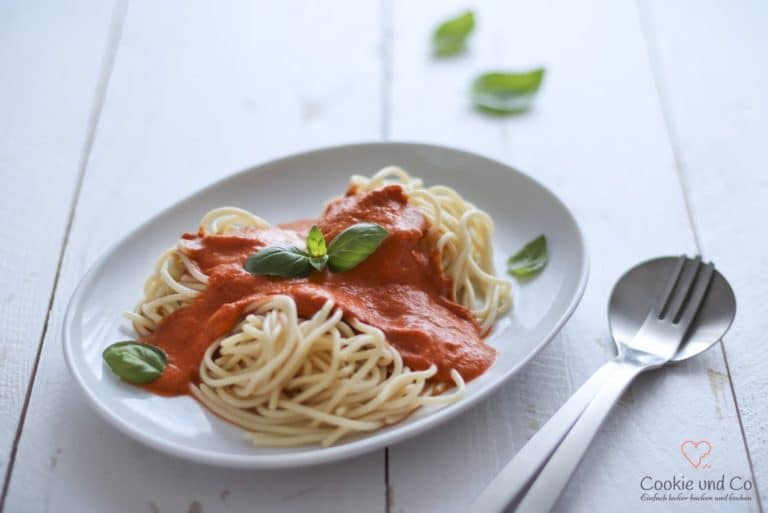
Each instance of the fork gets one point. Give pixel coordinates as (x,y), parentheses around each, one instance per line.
(559,446)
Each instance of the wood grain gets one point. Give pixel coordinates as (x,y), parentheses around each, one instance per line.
(598,138)
(709,62)
(198,91)
(51,61)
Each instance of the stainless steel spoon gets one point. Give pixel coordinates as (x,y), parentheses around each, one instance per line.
(661,311)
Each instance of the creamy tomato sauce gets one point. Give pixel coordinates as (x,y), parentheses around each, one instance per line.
(399,289)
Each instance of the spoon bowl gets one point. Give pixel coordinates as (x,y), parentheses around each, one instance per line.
(634,294)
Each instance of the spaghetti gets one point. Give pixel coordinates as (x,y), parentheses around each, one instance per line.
(305,362)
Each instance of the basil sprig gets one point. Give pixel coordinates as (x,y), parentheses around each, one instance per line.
(316,242)
(450,36)
(354,245)
(506,93)
(318,252)
(346,250)
(285,261)
(135,362)
(530,260)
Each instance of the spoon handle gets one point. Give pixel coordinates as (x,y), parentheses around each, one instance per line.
(549,484)
(514,477)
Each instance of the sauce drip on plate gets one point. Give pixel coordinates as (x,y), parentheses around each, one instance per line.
(399,289)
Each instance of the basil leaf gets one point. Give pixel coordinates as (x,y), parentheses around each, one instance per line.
(354,245)
(135,362)
(530,260)
(318,262)
(316,242)
(285,261)
(449,37)
(506,93)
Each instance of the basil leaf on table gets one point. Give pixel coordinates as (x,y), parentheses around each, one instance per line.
(530,260)
(316,243)
(354,245)
(450,36)
(284,261)
(506,93)
(135,362)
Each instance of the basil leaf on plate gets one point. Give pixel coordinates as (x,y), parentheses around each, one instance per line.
(530,260)
(449,37)
(316,242)
(506,93)
(285,261)
(318,262)
(135,362)
(354,245)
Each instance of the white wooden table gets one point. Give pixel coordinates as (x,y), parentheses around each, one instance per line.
(651,125)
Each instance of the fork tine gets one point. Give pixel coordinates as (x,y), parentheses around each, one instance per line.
(697,296)
(683,289)
(660,308)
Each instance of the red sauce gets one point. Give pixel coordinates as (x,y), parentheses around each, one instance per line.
(400,289)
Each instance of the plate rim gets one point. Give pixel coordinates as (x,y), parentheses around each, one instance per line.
(355,447)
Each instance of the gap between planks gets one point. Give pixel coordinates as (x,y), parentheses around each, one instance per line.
(115,32)
(652,51)
(385,59)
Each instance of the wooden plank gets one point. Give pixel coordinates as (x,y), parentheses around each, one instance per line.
(597,138)
(51,60)
(714,87)
(199,90)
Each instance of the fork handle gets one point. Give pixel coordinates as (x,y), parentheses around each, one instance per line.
(516,475)
(549,484)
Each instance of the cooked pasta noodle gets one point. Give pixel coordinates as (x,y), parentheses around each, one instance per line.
(293,381)
(463,236)
(289,380)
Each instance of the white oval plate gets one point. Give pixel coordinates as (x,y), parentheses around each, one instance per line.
(297,187)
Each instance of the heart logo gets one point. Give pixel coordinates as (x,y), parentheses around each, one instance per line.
(695,451)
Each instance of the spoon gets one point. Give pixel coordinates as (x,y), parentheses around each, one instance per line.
(661,311)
